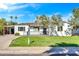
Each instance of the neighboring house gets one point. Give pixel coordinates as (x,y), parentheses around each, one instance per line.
(35,29)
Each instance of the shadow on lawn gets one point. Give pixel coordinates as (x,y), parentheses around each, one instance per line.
(63,49)
(64,45)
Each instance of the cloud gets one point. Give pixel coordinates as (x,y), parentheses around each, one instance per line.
(3,6)
(36,6)
(6,6)
(14,6)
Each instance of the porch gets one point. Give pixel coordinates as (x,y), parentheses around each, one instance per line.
(9,30)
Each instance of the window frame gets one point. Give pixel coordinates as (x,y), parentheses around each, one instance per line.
(21,28)
(60,28)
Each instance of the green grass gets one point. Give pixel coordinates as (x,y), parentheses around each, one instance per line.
(45,41)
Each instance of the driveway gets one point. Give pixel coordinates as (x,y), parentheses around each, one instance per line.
(5,40)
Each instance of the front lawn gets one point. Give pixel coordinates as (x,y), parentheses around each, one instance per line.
(45,41)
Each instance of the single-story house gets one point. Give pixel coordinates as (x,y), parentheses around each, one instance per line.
(35,29)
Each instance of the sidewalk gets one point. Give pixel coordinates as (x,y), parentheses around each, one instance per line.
(24,51)
(40,51)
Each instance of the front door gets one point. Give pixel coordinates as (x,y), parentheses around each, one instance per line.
(44,31)
(12,30)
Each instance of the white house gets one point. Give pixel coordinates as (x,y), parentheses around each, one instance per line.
(34,29)
(64,30)
(21,29)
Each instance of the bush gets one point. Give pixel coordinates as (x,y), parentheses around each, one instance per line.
(1,33)
(17,34)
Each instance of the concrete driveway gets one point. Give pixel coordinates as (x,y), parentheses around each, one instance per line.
(5,40)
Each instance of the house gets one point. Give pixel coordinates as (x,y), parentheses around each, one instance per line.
(64,30)
(35,29)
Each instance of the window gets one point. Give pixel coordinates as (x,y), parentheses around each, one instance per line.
(21,28)
(36,29)
(60,28)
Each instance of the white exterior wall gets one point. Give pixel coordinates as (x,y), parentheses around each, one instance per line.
(33,32)
(65,31)
(21,32)
(41,30)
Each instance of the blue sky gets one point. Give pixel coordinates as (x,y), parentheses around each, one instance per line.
(27,12)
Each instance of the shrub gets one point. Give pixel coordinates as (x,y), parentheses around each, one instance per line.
(17,34)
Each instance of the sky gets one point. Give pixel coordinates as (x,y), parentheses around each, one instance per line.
(27,12)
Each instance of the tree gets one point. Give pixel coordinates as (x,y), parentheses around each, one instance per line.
(12,22)
(74,21)
(43,20)
(16,17)
(76,12)
(11,17)
(2,24)
(56,20)
(76,16)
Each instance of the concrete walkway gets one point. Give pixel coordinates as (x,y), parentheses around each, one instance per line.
(5,40)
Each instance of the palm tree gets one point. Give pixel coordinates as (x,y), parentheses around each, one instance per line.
(43,20)
(13,23)
(11,17)
(16,18)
